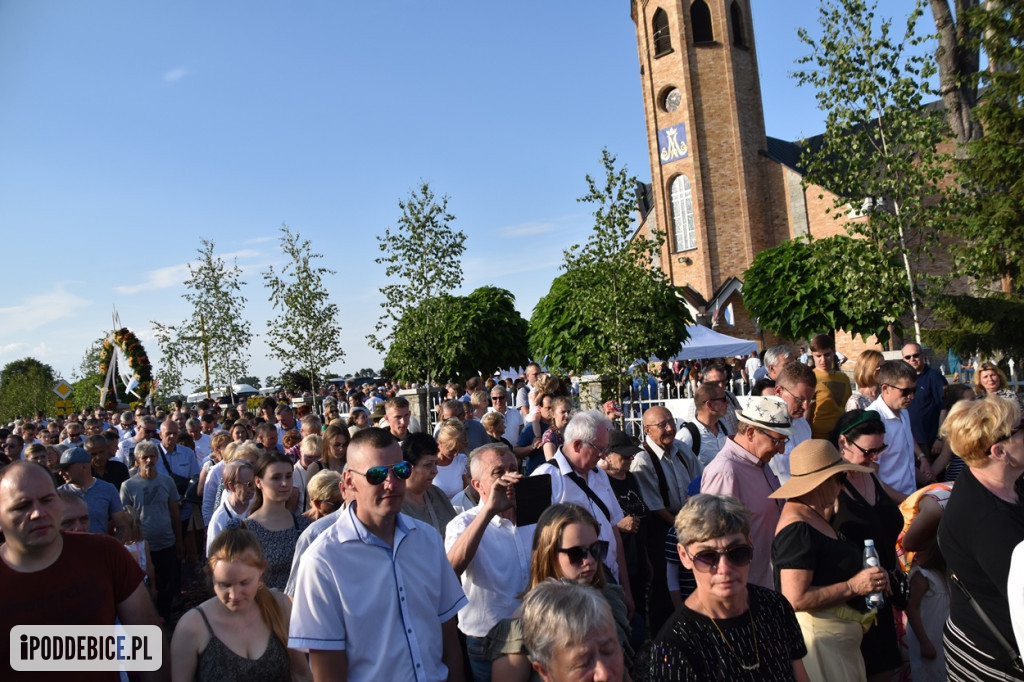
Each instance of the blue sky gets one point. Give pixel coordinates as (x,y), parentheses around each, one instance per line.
(130,131)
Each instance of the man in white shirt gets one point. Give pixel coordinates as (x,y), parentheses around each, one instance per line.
(523,396)
(795,385)
(489,551)
(897,382)
(711,405)
(576,478)
(513,419)
(375,596)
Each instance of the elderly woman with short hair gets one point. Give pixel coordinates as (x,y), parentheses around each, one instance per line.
(727,628)
(570,633)
(983,522)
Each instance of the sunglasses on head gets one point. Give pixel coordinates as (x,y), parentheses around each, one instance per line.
(707,560)
(576,555)
(377,475)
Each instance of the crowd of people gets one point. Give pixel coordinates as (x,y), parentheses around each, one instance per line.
(512,536)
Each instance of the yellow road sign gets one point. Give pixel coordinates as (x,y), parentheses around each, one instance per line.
(62,389)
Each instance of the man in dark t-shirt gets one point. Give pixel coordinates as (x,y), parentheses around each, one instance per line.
(54,578)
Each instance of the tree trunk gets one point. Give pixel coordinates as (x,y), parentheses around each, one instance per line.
(958,61)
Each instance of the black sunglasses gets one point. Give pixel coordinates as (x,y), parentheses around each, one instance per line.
(377,475)
(576,555)
(908,391)
(912,356)
(870,453)
(707,560)
(1013,432)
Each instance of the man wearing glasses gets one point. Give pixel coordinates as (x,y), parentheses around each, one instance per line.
(796,384)
(927,404)
(741,470)
(375,596)
(711,405)
(144,430)
(576,478)
(896,466)
(663,469)
(513,420)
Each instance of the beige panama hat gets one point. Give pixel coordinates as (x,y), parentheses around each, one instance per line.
(812,463)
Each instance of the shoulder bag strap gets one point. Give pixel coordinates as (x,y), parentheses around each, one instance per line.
(662,483)
(578,480)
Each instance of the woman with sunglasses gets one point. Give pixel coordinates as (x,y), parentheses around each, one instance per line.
(727,628)
(269,519)
(983,522)
(869,509)
(565,545)
(818,570)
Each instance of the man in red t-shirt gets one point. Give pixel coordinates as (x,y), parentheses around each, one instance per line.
(54,578)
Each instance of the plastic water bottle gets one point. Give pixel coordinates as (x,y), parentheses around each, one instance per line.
(875,600)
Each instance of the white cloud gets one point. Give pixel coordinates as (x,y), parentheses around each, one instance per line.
(174,275)
(42,308)
(532,228)
(161,278)
(10,348)
(175,74)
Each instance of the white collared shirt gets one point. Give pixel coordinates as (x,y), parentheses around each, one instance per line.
(220,518)
(801,431)
(896,465)
(565,490)
(710,443)
(384,606)
(497,574)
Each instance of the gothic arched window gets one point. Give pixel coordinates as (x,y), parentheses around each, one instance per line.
(662,38)
(739,38)
(700,21)
(684,233)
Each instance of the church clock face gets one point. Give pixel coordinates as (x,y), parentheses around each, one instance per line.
(673,99)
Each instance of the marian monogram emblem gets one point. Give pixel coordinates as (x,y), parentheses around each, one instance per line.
(672,143)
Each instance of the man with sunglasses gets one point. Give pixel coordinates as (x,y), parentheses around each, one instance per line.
(489,551)
(145,429)
(513,419)
(706,434)
(897,383)
(740,470)
(927,404)
(576,478)
(375,596)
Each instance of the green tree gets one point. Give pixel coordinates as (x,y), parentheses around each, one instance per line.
(305,336)
(423,263)
(805,287)
(26,386)
(986,244)
(481,332)
(216,334)
(879,153)
(610,308)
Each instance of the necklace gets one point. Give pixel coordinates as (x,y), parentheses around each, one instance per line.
(839,535)
(753,629)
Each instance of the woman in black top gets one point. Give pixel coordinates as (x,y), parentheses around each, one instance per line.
(726,629)
(983,522)
(820,572)
(868,509)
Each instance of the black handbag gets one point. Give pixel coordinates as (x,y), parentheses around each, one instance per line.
(899,582)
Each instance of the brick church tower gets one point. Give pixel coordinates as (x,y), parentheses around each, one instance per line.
(709,190)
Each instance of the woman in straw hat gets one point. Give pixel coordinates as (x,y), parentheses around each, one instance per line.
(818,570)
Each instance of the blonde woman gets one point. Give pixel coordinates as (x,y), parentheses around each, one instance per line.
(452,461)
(242,632)
(324,492)
(865,375)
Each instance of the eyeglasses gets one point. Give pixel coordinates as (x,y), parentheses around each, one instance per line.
(723,399)
(707,560)
(600,451)
(576,555)
(905,392)
(870,453)
(377,475)
(777,442)
(805,401)
(664,426)
(912,356)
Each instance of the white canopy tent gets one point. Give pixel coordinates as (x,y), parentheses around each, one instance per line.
(705,342)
